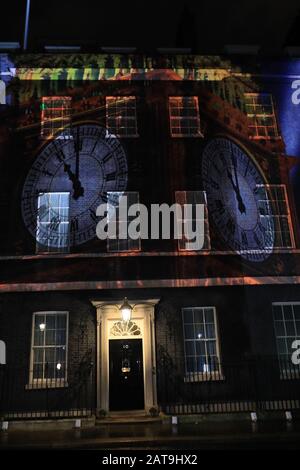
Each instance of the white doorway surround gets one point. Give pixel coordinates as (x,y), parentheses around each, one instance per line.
(110,326)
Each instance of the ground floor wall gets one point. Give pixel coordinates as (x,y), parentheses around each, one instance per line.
(248,376)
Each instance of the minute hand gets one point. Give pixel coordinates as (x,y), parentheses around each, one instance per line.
(241,204)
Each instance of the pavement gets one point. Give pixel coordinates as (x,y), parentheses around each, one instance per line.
(202,436)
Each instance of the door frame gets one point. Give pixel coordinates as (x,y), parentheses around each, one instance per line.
(107,314)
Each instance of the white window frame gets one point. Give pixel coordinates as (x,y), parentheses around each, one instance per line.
(285,374)
(183,194)
(48,383)
(111,243)
(110,108)
(65,118)
(40,249)
(172,118)
(274,202)
(215,375)
(272,116)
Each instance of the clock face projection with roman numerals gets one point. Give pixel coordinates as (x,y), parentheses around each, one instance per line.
(87,164)
(237,199)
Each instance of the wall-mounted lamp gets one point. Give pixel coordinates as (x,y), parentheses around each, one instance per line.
(126,310)
(42,326)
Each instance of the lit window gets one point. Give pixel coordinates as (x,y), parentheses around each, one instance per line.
(261,116)
(121,222)
(121,116)
(55,116)
(275,216)
(193,198)
(286,318)
(52,233)
(184,116)
(201,347)
(49,349)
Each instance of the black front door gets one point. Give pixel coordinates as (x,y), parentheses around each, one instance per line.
(126,378)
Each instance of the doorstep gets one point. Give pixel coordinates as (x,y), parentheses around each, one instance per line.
(126,418)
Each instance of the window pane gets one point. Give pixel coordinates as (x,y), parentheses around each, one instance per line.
(50,322)
(198,316)
(60,337)
(210,330)
(199,331)
(297,312)
(189,331)
(38,337)
(188,316)
(288,312)
(38,355)
(190,348)
(50,337)
(290,328)
(211,348)
(209,315)
(200,348)
(279,328)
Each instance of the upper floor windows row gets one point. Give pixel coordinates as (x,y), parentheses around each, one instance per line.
(54,230)
(184,117)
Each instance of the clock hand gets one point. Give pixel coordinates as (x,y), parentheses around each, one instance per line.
(241,205)
(78,189)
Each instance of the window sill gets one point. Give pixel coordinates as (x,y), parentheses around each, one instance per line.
(189,136)
(43,385)
(267,138)
(207,377)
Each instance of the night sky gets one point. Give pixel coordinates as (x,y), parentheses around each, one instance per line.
(204,25)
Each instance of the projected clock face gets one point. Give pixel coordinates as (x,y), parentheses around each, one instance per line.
(237,199)
(86,165)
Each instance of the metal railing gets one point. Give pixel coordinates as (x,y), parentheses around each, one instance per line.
(21,398)
(261,384)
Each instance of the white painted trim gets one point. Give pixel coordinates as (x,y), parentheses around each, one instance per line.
(286,303)
(34,384)
(143,310)
(204,376)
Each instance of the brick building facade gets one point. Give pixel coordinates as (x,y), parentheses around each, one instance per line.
(211,330)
